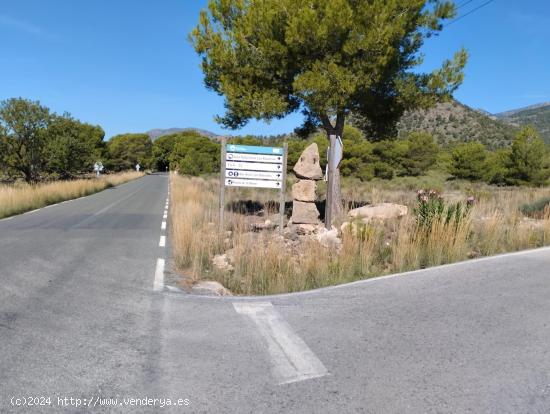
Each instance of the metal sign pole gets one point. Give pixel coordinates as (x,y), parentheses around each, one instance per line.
(282,199)
(222,184)
(330,184)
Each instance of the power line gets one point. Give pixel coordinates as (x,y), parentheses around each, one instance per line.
(461,5)
(470,12)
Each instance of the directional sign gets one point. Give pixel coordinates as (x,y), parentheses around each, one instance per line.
(251,149)
(253,166)
(235,156)
(259,175)
(234,182)
(338,152)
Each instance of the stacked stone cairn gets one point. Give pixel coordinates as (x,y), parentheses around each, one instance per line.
(308,171)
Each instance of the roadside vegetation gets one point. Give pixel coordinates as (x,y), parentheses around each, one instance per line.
(525,161)
(37,145)
(21,197)
(46,158)
(463,220)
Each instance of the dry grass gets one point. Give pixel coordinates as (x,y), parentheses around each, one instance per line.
(19,198)
(265,264)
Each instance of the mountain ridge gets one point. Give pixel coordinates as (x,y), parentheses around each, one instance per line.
(450,123)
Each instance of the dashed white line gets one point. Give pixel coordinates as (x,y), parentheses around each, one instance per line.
(163,225)
(162,241)
(158,284)
(292,359)
(165,215)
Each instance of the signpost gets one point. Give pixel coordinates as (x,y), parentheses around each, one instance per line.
(256,167)
(98,167)
(335,153)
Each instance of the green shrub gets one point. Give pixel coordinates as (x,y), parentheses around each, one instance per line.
(431,206)
(468,161)
(536,209)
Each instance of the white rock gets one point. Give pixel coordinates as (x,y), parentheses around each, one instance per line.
(329,238)
(382,211)
(304,190)
(308,166)
(221,262)
(304,213)
(210,288)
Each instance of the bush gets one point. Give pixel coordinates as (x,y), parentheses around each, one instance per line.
(527,159)
(422,151)
(537,209)
(468,161)
(431,206)
(383,170)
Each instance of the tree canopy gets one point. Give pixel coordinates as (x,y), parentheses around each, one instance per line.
(72,146)
(126,150)
(327,58)
(23,136)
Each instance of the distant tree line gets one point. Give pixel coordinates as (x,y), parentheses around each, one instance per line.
(36,144)
(525,162)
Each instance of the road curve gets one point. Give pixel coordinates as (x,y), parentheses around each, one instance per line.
(79,318)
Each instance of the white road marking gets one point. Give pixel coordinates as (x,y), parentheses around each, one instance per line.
(292,359)
(162,241)
(158,284)
(163,225)
(165,215)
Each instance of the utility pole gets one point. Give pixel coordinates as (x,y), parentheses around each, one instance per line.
(282,199)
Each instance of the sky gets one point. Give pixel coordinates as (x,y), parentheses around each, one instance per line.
(128,66)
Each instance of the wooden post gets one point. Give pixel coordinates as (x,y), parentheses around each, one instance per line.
(330,183)
(282,199)
(222,185)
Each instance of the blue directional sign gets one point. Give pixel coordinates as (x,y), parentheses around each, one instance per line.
(251,149)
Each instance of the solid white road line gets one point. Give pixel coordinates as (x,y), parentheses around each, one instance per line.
(163,225)
(162,241)
(292,359)
(158,284)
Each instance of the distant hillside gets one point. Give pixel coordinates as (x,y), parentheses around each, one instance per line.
(156,133)
(536,115)
(453,122)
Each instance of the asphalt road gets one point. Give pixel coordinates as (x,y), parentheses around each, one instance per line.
(79,318)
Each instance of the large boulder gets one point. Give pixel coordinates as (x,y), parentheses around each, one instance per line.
(382,211)
(308,166)
(210,288)
(304,213)
(304,190)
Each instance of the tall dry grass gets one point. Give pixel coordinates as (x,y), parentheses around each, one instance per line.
(19,198)
(264,263)
(195,236)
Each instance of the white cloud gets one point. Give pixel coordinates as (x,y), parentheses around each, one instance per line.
(20,25)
